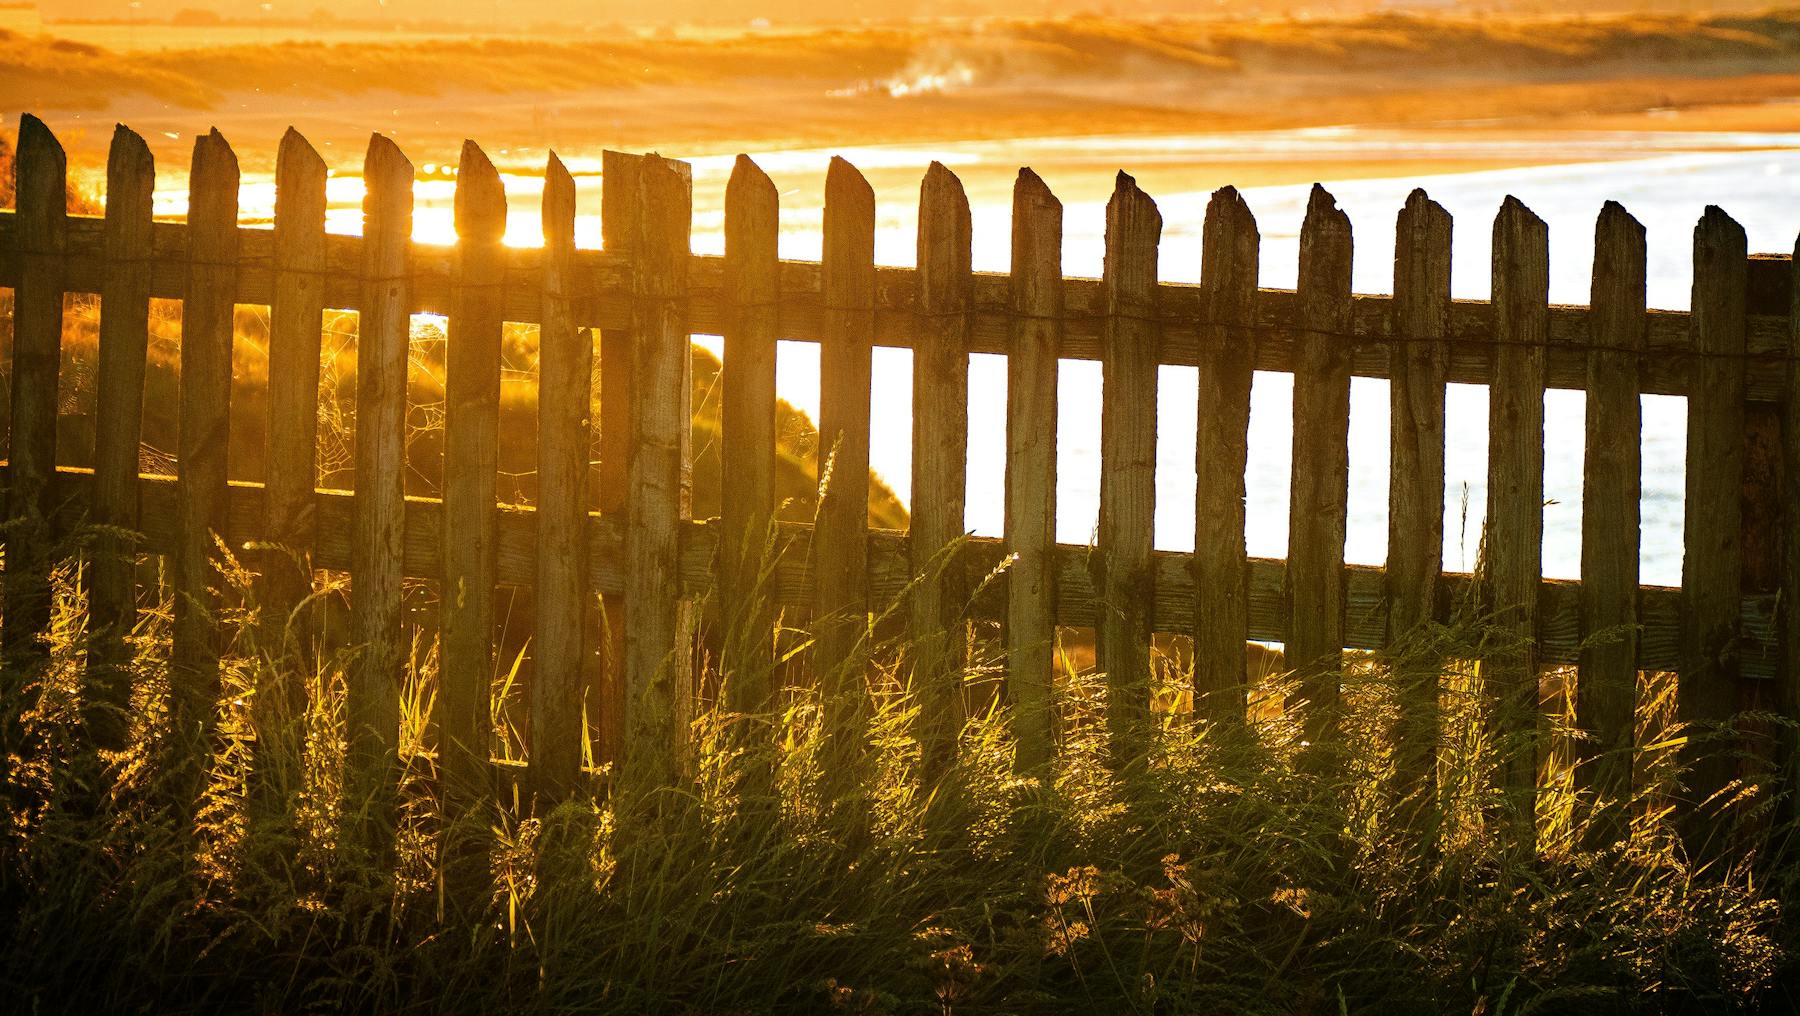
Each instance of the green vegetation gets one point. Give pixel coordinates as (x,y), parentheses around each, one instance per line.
(1223,872)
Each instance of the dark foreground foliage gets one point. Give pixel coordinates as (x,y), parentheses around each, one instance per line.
(1223,872)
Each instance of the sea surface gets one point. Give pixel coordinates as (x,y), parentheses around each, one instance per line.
(1664,178)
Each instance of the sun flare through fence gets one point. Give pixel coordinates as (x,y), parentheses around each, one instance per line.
(614,565)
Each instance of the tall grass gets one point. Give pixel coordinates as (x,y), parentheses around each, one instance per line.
(1223,871)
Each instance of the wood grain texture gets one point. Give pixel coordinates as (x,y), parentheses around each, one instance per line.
(124,341)
(1319,492)
(1415,554)
(1606,685)
(36,359)
(471,460)
(1712,558)
(1787,695)
(841,537)
(379,530)
(1513,543)
(1121,561)
(618,231)
(791,584)
(1667,368)
(206,338)
(747,444)
(938,631)
(1031,397)
(1221,619)
(296,325)
(561,653)
(656,680)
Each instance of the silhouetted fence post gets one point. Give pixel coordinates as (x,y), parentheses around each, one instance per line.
(1123,575)
(1227,355)
(124,340)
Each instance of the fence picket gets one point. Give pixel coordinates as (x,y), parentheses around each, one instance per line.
(618,231)
(1035,299)
(1788,668)
(1712,558)
(36,359)
(656,691)
(1415,552)
(124,340)
(377,561)
(747,451)
(1515,507)
(1606,685)
(1320,489)
(1228,273)
(841,535)
(296,327)
(938,638)
(565,434)
(201,506)
(471,461)
(1123,575)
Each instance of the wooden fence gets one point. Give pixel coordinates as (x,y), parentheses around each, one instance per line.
(635,303)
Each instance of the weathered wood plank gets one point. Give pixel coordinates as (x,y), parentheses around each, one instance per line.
(1666,371)
(1559,616)
(296,327)
(841,537)
(379,531)
(1221,620)
(656,691)
(1415,552)
(471,461)
(124,341)
(1121,562)
(747,444)
(1031,395)
(1513,543)
(1319,494)
(1606,685)
(1787,695)
(560,651)
(938,635)
(1712,558)
(206,338)
(618,230)
(42,184)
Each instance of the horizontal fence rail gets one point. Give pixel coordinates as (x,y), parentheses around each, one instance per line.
(633,539)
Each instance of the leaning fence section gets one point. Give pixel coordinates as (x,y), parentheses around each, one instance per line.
(628,541)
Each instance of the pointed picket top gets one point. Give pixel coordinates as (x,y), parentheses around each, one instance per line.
(480,197)
(298,160)
(213,180)
(1517,227)
(1618,288)
(387,177)
(1718,231)
(129,158)
(1228,257)
(1325,247)
(846,188)
(558,203)
(130,190)
(1133,228)
(1030,191)
(1423,226)
(42,183)
(750,187)
(945,234)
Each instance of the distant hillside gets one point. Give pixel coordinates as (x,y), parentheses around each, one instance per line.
(1380,53)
